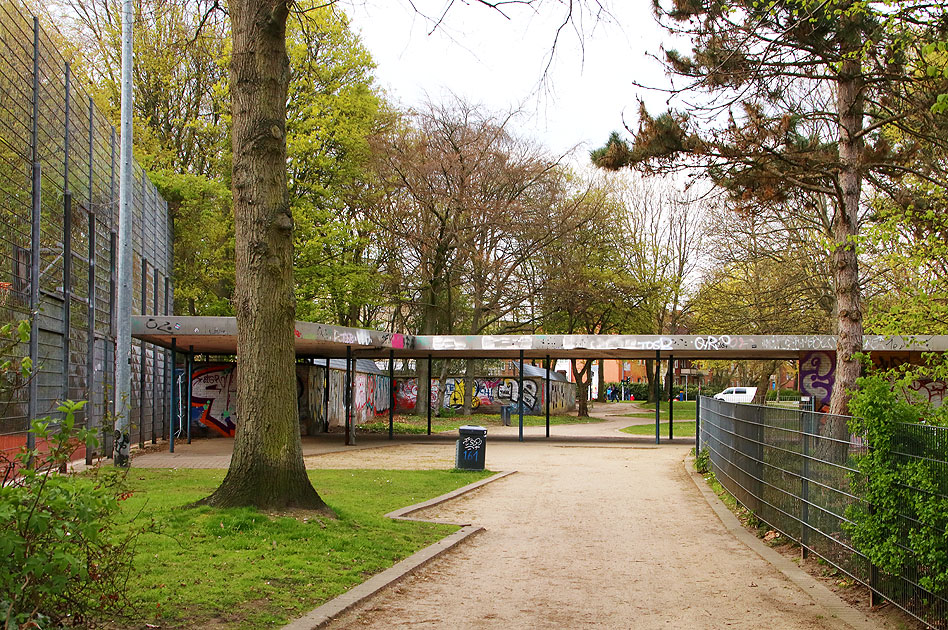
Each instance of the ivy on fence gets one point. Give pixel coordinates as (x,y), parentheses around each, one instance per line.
(903,524)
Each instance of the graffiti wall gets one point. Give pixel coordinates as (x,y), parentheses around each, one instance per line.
(214,398)
(490,393)
(818,375)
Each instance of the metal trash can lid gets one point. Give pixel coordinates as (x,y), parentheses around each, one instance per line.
(468,429)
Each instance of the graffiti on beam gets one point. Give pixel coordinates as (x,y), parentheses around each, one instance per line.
(163,325)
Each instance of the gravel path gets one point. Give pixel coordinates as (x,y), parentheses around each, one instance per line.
(598,529)
(597,535)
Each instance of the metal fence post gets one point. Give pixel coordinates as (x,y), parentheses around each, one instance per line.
(326,400)
(190,375)
(67,237)
(805,488)
(154,365)
(428,391)
(174,394)
(520,396)
(348,396)
(391,394)
(144,363)
(671,396)
(548,390)
(697,424)
(90,348)
(34,248)
(658,397)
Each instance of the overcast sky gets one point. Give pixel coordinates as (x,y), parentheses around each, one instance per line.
(487,59)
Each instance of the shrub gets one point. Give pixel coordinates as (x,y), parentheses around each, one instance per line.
(904,529)
(62,562)
(703,461)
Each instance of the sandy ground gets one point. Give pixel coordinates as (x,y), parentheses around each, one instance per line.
(591,536)
(587,534)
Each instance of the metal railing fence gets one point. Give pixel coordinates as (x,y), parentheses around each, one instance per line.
(58,241)
(793,471)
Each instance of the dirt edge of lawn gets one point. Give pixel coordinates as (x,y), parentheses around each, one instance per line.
(326,613)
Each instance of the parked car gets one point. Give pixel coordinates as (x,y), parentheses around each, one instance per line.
(737,394)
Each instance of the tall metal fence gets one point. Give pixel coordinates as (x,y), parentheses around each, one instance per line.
(58,242)
(785,467)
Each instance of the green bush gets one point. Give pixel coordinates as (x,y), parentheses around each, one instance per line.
(904,521)
(62,562)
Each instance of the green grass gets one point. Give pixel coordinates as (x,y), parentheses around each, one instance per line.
(684,410)
(419,424)
(685,428)
(242,569)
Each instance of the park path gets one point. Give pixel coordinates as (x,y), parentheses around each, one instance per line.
(587,536)
(598,529)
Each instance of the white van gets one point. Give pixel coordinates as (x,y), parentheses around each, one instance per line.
(737,394)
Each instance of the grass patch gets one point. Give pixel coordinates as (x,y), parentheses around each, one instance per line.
(413,425)
(681,429)
(684,410)
(242,569)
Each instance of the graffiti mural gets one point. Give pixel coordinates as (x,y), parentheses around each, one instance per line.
(817,376)
(214,398)
(406,393)
(928,391)
(489,394)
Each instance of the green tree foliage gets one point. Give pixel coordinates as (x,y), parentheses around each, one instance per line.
(182,136)
(588,286)
(203,224)
(181,51)
(800,97)
(334,110)
(905,527)
(908,245)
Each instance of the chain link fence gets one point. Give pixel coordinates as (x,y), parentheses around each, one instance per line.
(58,244)
(787,468)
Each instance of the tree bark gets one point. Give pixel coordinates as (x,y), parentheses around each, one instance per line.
(266,469)
(650,380)
(468,387)
(845,228)
(581,376)
(602,381)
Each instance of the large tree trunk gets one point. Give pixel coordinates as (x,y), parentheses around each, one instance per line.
(266,469)
(845,228)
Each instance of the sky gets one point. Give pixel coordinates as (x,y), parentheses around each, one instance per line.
(487,59)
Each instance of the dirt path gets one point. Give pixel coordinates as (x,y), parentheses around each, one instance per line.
(608,536)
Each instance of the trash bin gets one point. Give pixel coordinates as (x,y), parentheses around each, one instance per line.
(471,448)
(505,415)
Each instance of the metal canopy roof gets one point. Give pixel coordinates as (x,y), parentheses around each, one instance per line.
(218,335)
